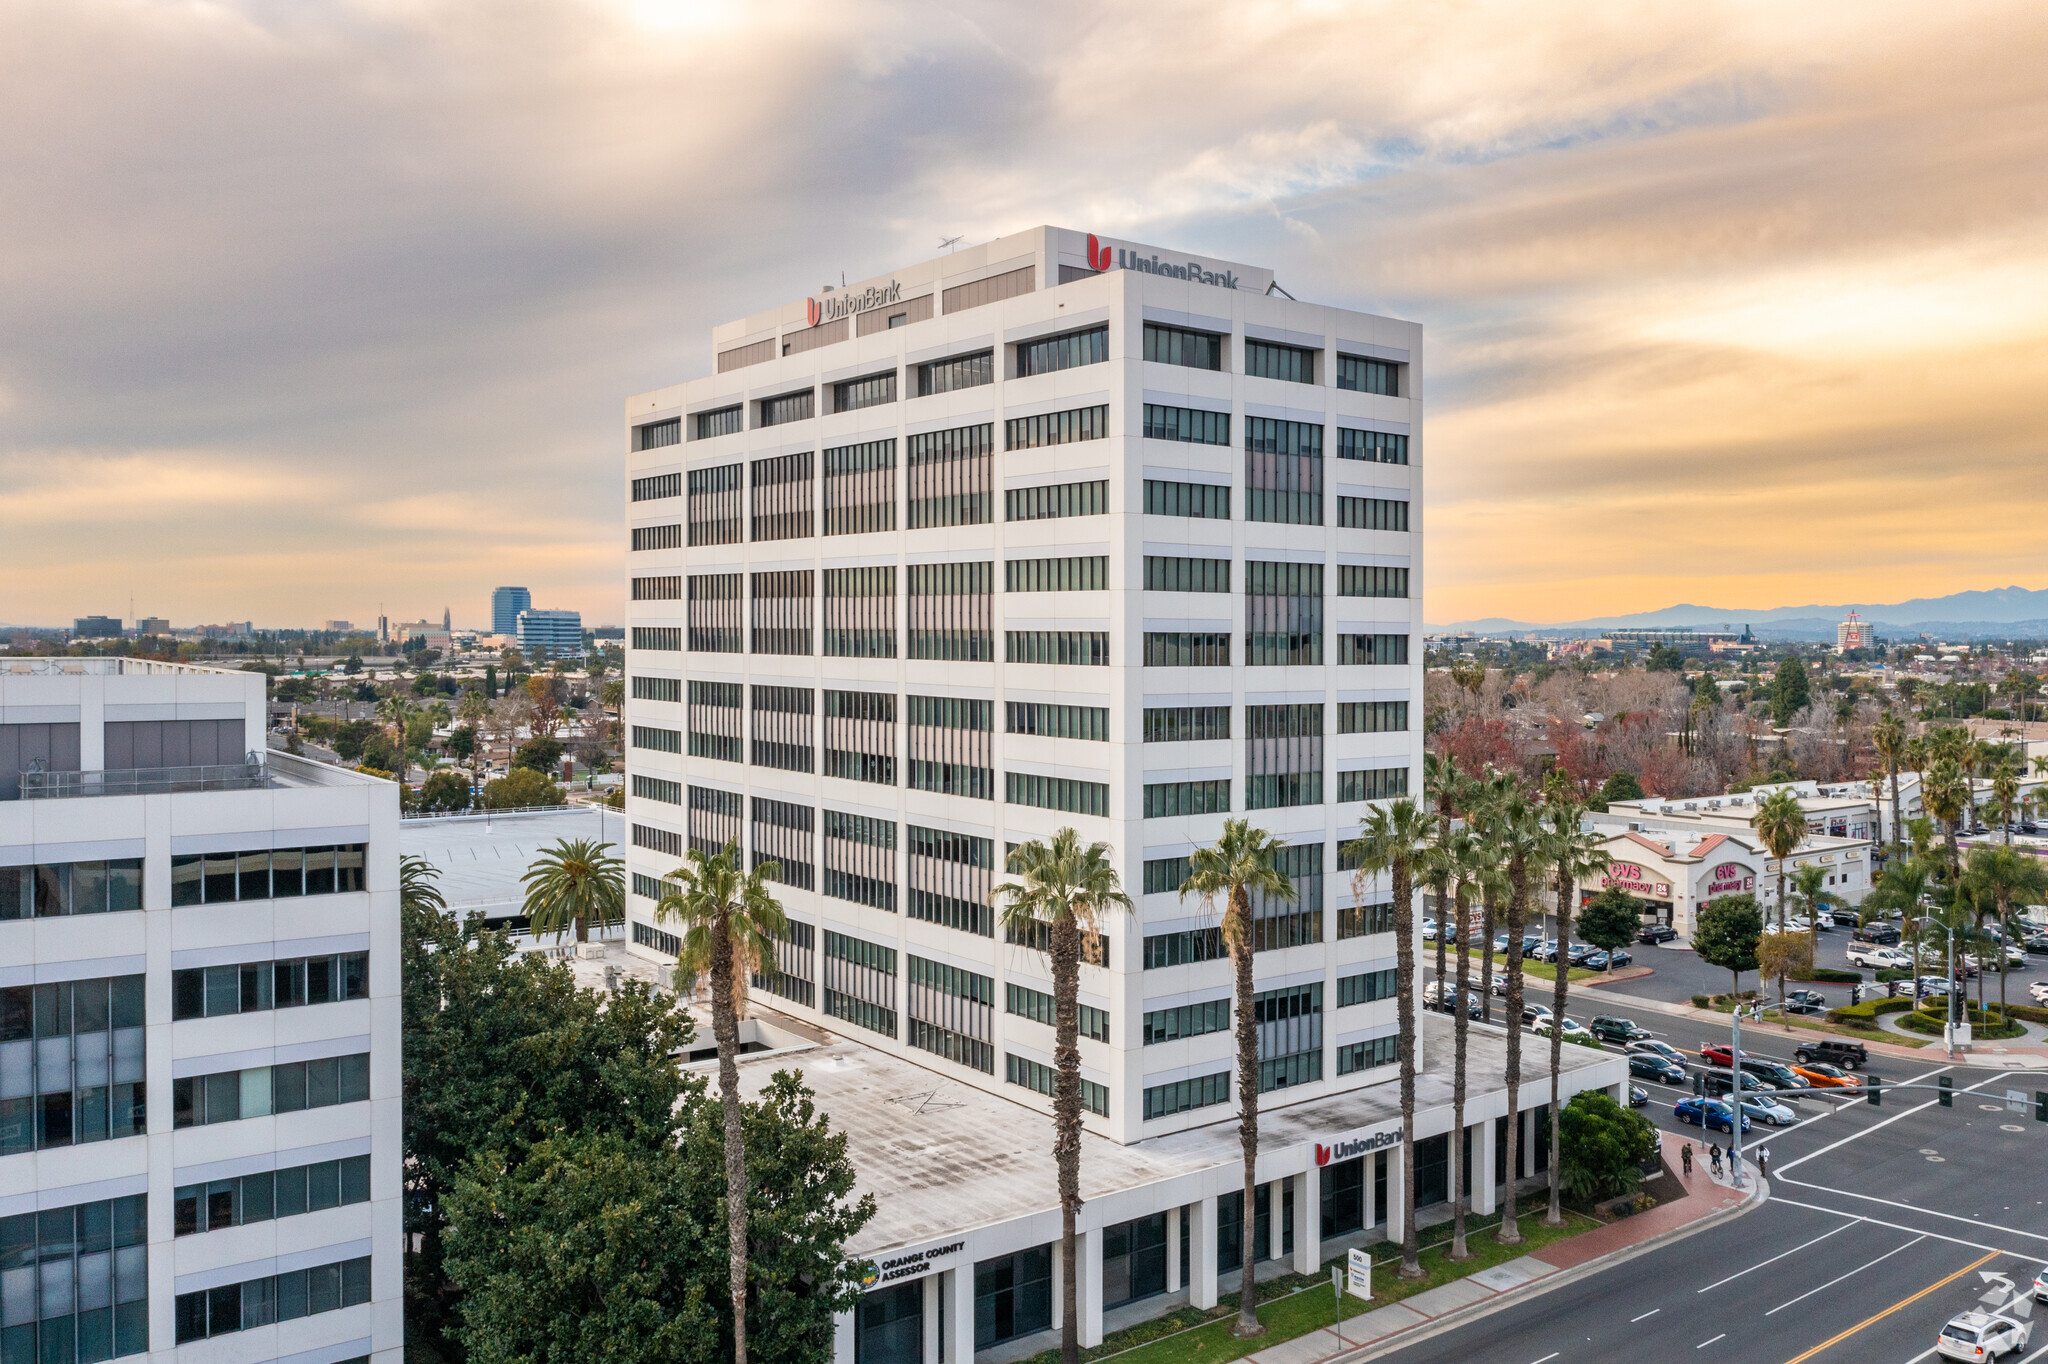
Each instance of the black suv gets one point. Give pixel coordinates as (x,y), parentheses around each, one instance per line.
(1884,935)
(1611,1029)
(1848,1055)
(1656,933)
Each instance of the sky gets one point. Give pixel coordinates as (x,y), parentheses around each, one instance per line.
(312,308)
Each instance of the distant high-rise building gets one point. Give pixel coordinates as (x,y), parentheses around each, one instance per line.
(339,627)
(550,634)
(506,604)
(97,627)
(447,619)
(383,629)
(1854,633)
(153,625)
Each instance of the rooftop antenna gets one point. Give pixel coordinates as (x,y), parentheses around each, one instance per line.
(947,244)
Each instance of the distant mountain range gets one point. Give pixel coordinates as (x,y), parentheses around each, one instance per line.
(2003,612)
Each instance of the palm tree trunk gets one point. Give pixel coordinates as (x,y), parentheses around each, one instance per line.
(1066,1116)
(582,929)
(725,1030)
(1555,1217)
(1898,825)
(1461,1022)
(1247,1107)
(1404,992)
(1486,959)
(1510,1232)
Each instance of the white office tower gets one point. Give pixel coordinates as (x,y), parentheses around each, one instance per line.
(199,1028)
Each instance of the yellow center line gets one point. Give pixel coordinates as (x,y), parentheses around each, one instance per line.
(1903,1302)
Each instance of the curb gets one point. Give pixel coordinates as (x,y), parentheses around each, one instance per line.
(1464,1316)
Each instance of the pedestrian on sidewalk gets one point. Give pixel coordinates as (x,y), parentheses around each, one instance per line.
(1685,1158)
(1716,1150)
(1763,1161)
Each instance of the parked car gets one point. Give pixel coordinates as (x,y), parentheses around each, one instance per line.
(1546,950)
(1429,930)
(1533,1012)
(1608,1028)
(1638,1097)
(1651,1066)
(1711,1114)
(1834,1051)
(1572,1027)
(1530,942)
(2039,991)
(1982,1336)
(1879,958)
(1765,1109)
(1663,1049)
(1824,1076)
(1653,934)
(1805,1002)
(1882,934)
(1580,951)
(2041,1285)
(2035,942)
(1607,961)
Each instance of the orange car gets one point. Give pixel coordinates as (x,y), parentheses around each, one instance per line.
(1823,1076)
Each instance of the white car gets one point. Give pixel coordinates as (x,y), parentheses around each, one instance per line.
(1767,1110)
(2041,1285)
(1879,958)
(1981,1335)
(2039,990)
(1572,1027)
(1429,930)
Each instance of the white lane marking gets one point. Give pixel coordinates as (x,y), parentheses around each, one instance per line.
(1850,1275)
(1911,1207)
(1924,1354)
(1791,1164)
(2028,1360)
(1895,1226)
(1633,1320)
(1547,1358)
(1853,1220)
(1705,1343)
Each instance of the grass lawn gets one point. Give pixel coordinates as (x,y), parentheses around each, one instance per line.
(1293,1305)
(1534,970)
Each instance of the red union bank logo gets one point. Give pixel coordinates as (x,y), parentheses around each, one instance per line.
(811,312)
(1098,255)
(837,306)
(1357,1146)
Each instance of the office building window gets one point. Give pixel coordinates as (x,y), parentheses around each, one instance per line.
(1037,1006)
(716,613)
(1377,1051)
(658,537)
(1012,1293)
(1283,614)
(267,874)
(1369,376)
(1178,346)
(782,497)
(1081,573)
(1372,513)
(657,486)
(782,611)
(952,477)
(1057,793)
(1165,875)
(666,841)
(782,727)
(794,978)
(259,986)
(71,1063)
(1280,923)
(1365,987)
(1074,648)
(1058,722)
(961,371)
(1178,1096)
(1036,935)
(74,1282)
(1044,1079)
(860,736)
(652,888)
(860,859)
(1207,501)
(1090,347)
(952,1013)
(1186,649)
(1371,580)
(53,890)
(1186,724)
(259,1091)
(1374,447)
(654,435)
(716,726)
(1374,783)
(665,588)
(782,835)
(1183,948)
(1283,756)
(910,310)
(1290,1024)
(1187,798)
(723,421)
(1362,921)
(789,407)
(650,688)
(1270,360)
(949,745)
(647,935)
(860,982)
(1056,500)
(1187,1020)
(717,504)
(860,612)
(950,879)
(1163,574)
(1372,717)
(860,487)
(714,819)
(289,1192)
(1189,424)
(272,1298)
(1372,649)
(1283,468)
(656,739)
(753,353)
(994,289)
(664,637)
(1056,428)
(871,391)
(951,612)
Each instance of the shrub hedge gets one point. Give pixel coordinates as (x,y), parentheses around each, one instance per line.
(1864,1015)
(1828,975)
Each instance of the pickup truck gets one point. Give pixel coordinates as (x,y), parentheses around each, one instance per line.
(1848,1055)
(1878,957)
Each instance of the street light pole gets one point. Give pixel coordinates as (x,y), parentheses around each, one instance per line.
(1735,1098)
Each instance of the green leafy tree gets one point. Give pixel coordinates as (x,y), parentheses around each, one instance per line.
(541,754)
(462,742)
(444,791)
(1784,956)
(1725,935)
(1603,1146)
(1706,691)
(380,753)
(1790,690)
(521,789)
(1620,786)
(1240,864)
(352,665)
(1611,919)
(572,884)
(1060,897)
(1663,658)
(350,738)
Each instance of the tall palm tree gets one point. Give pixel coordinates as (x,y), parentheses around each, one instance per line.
(1060,896)
(395,710)
(1463,855)
(1809,880)
(1888,736)
(1443,787)
(1781,827)
(2001,878)
(1574,854)
(1510,824)
(2005,796)
(1945,795)
(416,888)
(1393,840)
(731,923)
(572,883)
(1240,864)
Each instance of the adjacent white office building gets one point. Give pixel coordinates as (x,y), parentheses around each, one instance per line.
(199,1028)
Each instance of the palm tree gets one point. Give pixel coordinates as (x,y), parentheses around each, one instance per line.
(1510,824)
(1060,897)
(1443,787)
(1465,858)
(1240,864)
(1945,795)
(1575,854)
(2005,796)
(572,883)
(1888,736)
(1393,840)
(395,710)
(2000,878)
(1781,827)
(731,922)
(416,888)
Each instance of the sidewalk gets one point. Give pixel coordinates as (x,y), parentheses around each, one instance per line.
(1385,1328)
